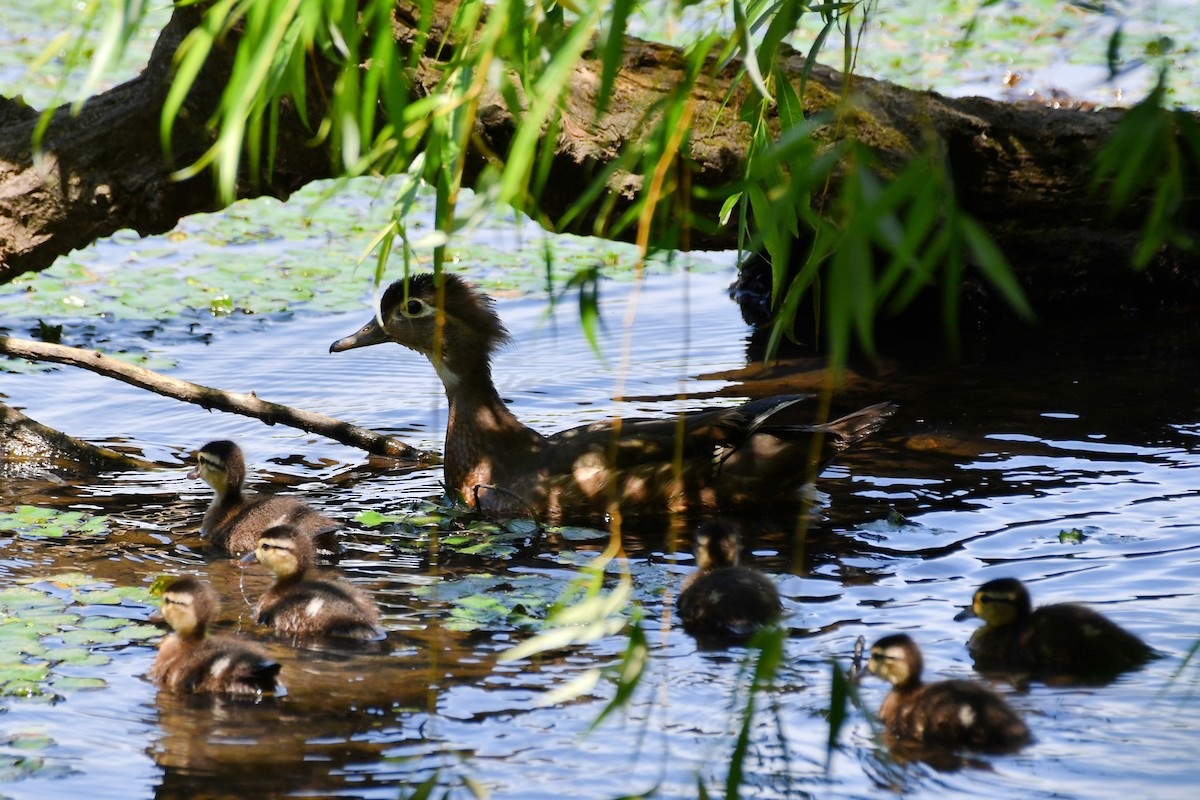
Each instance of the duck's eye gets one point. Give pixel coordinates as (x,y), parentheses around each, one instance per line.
(413,308)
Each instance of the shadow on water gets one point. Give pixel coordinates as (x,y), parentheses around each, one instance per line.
(1088,432)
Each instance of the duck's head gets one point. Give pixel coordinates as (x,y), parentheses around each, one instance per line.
(1000,602)
(440,316)
(718,542)
(221,465)
(284,549)
(897,660)
(188,605)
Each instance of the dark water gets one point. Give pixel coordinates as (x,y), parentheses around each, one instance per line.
(1090,428)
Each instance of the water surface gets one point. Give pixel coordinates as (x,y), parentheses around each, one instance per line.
(1090,429)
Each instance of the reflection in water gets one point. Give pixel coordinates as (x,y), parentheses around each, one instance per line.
(982,468)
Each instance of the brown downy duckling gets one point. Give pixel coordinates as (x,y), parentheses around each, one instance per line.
(743,456)
(951,713)
(722,603)
(301,607)
(235,518)
(190,661)
(1063,640)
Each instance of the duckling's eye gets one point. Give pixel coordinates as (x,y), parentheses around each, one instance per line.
(413,308)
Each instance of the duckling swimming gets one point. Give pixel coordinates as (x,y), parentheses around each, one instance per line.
(189,661)
(302,608)
(1057,640)
(234,519)
(951,713)
(722,603)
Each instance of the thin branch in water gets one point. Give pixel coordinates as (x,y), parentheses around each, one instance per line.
(245,404)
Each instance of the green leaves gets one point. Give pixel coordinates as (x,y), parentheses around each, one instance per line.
(62,621)
(37,522)
(882,243)
(1151,156)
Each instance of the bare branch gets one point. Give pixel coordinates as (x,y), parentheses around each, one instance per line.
(246,404)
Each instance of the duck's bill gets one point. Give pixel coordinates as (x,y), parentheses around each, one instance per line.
(367,335)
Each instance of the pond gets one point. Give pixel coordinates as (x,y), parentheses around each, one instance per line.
(1065,456)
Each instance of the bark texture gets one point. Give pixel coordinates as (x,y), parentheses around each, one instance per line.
(1022,170)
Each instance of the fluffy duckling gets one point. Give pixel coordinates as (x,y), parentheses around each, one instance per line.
(1058,640)
(301,607)
(723,603)
(952,713)
(710,461)
(190,661)
(235,518)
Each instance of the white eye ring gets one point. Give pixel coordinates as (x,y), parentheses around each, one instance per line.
(414,308)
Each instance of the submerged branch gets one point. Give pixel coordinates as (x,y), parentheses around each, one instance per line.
(246,404)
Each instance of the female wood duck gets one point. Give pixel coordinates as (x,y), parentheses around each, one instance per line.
(189,661)
(235,518)
(759,452)
(1062,640)
(952,713)
(722,603)
(301,608)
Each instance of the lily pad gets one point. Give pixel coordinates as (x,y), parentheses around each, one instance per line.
(59,621)
(77,684)
(36,522)
(77,657)
(494,601)
(27,741)
(14,768)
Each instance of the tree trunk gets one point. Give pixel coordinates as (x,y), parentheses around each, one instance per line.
(1023,170)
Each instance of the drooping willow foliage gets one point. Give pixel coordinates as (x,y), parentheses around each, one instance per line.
(834,229)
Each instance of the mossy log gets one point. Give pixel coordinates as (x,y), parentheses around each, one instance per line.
(29,448)
(1023,170)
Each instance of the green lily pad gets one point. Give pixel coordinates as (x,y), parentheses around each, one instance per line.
(93,637)
(57,621)
(76,684)
(27,741)
(20,673)
(23,598)
(1072,536)
(77,657)
(103,623)
(14,632)
(14,768)
(36,522)
(137,633)
(493,601)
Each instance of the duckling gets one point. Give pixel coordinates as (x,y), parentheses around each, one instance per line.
(741,457)
(234,519)
(723,603)
(951,713)
(189,661)
(302,608)
(1063,640)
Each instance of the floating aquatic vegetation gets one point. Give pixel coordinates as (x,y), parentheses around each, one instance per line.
(20,757)
(455,527)
(37,522)
(68,620)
